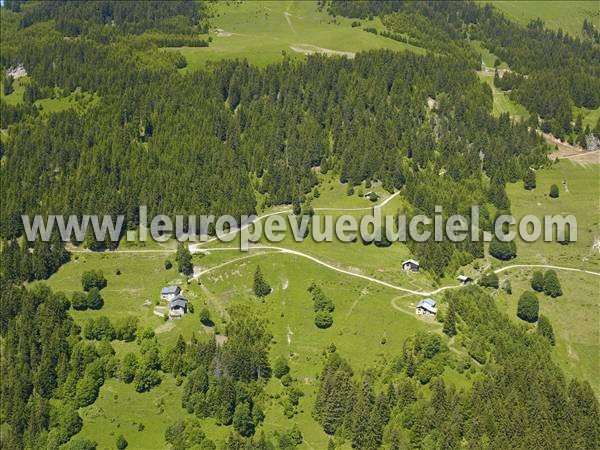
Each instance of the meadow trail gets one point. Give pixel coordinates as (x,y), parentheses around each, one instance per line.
(371,279)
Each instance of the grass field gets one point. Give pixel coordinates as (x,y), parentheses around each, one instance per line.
(502,103)
(263,32)
(365,313)
(589,116)
(579,196)
(567,15)
(16,96)
(574,316)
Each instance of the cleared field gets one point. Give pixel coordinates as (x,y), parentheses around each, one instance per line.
(16,96)
(502,103)
(574,316)
(263,32)
(579,196)
(589,116)
(140,418)
(567,15)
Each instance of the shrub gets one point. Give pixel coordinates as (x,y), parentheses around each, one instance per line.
(168,264)
(528,307)
(281,368)
(205,317)
(121,442)
(554,191)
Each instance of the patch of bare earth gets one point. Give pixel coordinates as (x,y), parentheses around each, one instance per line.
(309,49)
(572,152)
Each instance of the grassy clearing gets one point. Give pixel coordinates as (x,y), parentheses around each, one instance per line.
(574,316)
(119,409)
(16,96)
(365,313)
(263,32)
(589,116)
(502,103)
(567,15)
(579,196)
(487,58)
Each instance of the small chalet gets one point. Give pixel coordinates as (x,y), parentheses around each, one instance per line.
(169,292)
(426,307)
(464,280)
(177,307)
(410,265)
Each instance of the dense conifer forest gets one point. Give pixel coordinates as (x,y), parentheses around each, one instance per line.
(234,138)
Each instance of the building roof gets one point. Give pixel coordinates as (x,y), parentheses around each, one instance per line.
(463,278)
(411,261)
(178,301)
(428,305)
(170,290)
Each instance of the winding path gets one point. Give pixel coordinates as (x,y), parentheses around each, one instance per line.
(366,277)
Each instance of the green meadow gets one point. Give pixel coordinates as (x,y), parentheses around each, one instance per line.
(567,15)
(370,321)
(502,102)
(578,186)
(264,32)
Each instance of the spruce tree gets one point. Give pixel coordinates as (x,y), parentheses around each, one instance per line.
(551,284)
(544,328)
(537,281)
(184,259)
(528,307)
(450,321)
(261,287)
(529,182)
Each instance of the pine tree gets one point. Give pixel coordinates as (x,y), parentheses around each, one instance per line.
(184,259)
(529,180)
(261,287)
(544,328)
(551,284)
(528,307)
(450,321)
(537,281)
(242,420)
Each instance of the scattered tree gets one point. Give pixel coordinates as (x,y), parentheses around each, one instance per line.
(528,307)
(121,442)
(280,368)
(551,284)
(184,259)
(261,287)
(93,279)
(489,279)
(529,180)
(554,191)
(544,328)
(537,281)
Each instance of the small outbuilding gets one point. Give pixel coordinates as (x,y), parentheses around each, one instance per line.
(169,292)
(464,280)
(177,307)
(426,307)
(410,265)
